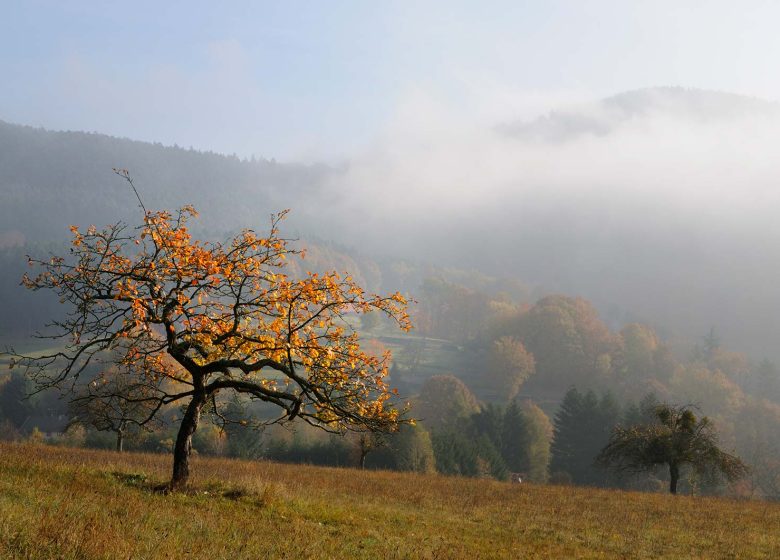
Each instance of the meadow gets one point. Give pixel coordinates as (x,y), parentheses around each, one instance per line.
(58,502)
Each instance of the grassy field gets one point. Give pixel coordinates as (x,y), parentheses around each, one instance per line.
(73,503)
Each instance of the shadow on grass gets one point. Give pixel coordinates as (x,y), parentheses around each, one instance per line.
(264,496)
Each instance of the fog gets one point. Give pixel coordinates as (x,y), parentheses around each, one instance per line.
(659,204)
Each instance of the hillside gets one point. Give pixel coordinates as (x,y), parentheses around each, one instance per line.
(50,179)
(656,204)
(66,503)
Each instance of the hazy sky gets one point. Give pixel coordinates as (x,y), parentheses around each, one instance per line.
(311,80)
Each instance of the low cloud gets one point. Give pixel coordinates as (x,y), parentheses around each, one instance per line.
(660,204)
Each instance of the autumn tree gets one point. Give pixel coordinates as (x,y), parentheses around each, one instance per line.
(569,342)
(526,436)
(676,439)
(444,401)
(200,320)
(509,365)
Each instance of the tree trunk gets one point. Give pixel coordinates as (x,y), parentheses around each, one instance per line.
(183,448)
(120,438)
(674,476)
(363,454)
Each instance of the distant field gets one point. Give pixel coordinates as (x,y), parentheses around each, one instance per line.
(72,503)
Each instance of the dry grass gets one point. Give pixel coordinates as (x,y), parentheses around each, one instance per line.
(72,503)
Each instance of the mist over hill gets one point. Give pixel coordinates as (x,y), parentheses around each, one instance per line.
(658,204)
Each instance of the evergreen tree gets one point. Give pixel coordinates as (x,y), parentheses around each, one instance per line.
(583,425)
(488,422)
(566,431)
(514,438)
(458,453)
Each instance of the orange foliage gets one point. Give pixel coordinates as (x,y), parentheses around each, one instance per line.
(228,314)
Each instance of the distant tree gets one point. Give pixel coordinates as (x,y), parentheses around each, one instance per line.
(210,440)
(444,400)
(203,320)
(537,438)
(509,365)
(676,439)
(366,442)
(239,425)
(514,438)
(115,401)
(489,421)
(637,352)
(758,426)
(412,450)
(711,389)
(642,413)
(641,357)
(566,433)
(459,453)
(14,398)
(582,426)
(567,339)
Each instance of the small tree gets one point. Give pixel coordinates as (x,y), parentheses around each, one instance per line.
(196,320)
(116,401)
(677,438)
(365,443)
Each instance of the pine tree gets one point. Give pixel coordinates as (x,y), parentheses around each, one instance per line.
(514,438)
(582,428)
(566,431)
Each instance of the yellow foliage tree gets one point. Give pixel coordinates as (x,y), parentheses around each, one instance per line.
(197,319)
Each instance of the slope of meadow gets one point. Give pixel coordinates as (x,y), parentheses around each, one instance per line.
(73,503)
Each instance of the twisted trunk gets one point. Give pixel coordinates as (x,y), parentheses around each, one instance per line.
(183,448)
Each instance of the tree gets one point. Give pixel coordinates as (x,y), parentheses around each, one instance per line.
(444,400)
(583,424)
(514,438)
(365,443)
(568,340)
(509,364)
(14,393)
(676,439)
(409,449)
(115,401)
(758,426)
(458,453)
(537,436)
(413,450)
(198,320)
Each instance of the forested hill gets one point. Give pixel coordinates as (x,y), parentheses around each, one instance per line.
(657,205)
(52,179)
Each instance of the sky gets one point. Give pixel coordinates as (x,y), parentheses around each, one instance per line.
(321,81)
